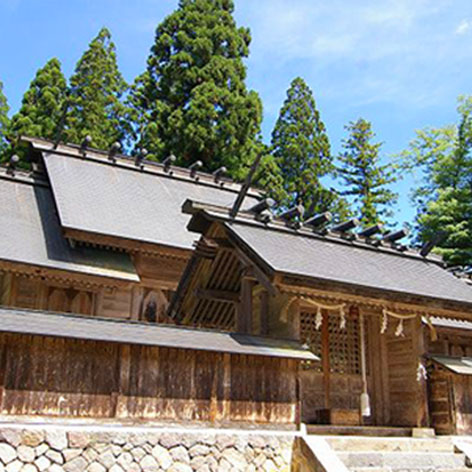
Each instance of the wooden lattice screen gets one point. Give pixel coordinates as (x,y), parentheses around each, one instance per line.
(344,344)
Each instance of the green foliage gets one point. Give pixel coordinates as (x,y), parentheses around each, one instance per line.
(192,100)
(302,154)
(365,179)
(4,123)
(443,197)
(97,90)
(41,107)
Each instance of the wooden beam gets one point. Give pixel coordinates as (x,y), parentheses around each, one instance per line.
(224,296)
(371,297)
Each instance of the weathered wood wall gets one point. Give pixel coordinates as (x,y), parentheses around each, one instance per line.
(159,277)
(64,377)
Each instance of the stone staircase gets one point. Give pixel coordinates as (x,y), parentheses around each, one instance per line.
(366,454)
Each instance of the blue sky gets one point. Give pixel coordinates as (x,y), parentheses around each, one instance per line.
(398,63)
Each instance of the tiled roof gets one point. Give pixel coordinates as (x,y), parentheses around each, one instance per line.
(330,257)
(441,322)
(30,234)
(80,327)
(121,200)
(458,365)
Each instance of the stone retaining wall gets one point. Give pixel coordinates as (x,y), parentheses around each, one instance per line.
(115,449)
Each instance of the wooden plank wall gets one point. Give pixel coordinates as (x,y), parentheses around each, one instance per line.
(441,401)
(402,363)
(63,377)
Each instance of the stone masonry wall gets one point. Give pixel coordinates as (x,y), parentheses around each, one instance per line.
(120,449)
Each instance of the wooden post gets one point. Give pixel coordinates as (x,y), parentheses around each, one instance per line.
(364,400)
(125,365)
(325,359)
(244,311)
(226,404)
(264,313)
(136,299)
(422,418)
(3,367)
(5,289)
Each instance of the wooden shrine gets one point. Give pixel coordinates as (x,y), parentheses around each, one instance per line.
(129,290)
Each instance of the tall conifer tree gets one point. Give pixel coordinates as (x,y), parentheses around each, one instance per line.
(443,156)
(365,179)
(192,100)
(41,107)
(97,90)
(4,122)
(302,152)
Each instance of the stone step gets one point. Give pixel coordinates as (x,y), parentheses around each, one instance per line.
(388,469)
(386,431)
(403,461)
(356,444)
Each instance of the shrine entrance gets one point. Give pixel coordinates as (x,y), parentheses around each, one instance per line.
(331,389)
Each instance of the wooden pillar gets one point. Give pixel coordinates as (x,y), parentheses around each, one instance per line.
(123,387)
(5,289)
(244,308)
(325,359)
(136,299)
(226,402)
(264,313)
(3,365)
(422,417)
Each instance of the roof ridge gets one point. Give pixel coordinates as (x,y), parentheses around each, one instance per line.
(22,176)
(148,167)
(246,217)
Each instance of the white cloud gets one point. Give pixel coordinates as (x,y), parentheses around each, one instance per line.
(374,51)
(463,27)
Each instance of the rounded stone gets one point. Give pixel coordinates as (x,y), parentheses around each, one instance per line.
(26,453)
(55,456)
(180,454)
(31,437)
(7,453)
(11,435)
(96,467)
(57,439)
(14,466)
(29,468)
(116,468)
(149,464)
(78,464)
(125,459)
(179,467)
(41,449)
(162,456)
(42,463)
(138,453)
(235,458)
(169,440)
(199,450)
(78,439)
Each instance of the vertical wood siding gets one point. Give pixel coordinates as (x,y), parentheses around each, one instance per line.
(63,377)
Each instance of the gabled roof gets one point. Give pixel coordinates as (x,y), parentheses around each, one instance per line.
(280,249)
(118,199)
(30,234)
(78,327)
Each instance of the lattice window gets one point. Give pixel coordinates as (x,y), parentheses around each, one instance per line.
(312,337)
(343,344)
